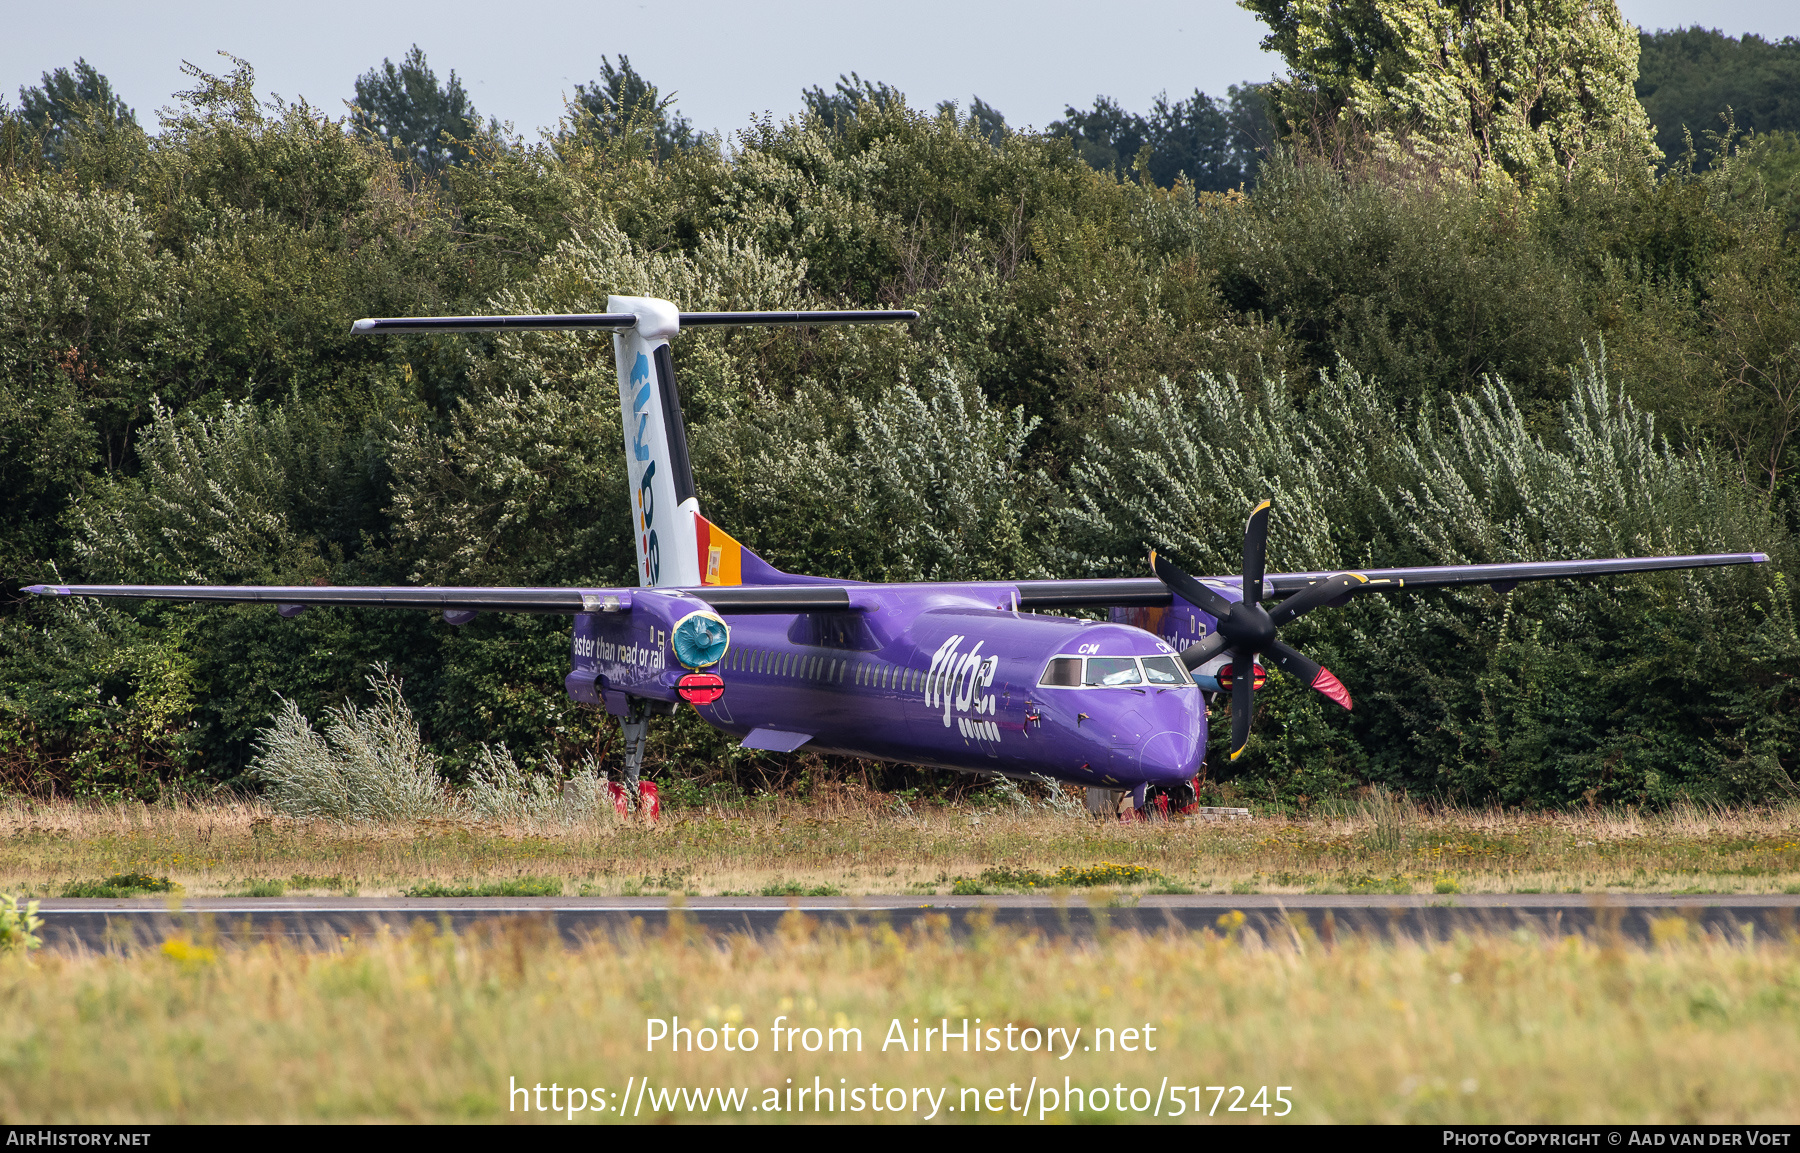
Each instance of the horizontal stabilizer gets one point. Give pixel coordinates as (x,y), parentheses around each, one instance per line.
(622,321)
(774,740)
(727,600)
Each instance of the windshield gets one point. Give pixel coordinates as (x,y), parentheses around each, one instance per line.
(1062,673)
(1165,671)
(1109,671)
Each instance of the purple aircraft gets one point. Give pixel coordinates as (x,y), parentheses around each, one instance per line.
(965,676)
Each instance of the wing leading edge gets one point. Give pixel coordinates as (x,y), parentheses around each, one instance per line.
(1149,591)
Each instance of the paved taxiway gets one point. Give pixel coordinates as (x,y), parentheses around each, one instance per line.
(101,924)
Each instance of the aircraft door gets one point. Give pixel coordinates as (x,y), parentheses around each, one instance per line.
(1126,735)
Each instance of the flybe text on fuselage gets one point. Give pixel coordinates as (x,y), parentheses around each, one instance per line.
(957,680)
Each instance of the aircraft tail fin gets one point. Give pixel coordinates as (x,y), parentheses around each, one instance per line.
(675,544)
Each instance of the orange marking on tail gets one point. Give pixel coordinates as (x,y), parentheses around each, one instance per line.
(721,557)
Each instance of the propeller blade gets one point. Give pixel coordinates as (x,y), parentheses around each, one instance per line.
(1316,596)
(1243,698)
(1189,589)
(1297,664)
(1256,551)
(1198,654)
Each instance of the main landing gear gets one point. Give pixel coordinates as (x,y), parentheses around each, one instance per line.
(633,792)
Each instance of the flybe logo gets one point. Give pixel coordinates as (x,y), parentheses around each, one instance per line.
(640,450)
(958,682)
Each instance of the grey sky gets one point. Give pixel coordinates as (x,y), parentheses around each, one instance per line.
(727,61)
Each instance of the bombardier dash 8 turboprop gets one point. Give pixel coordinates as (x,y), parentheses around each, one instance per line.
(956,675)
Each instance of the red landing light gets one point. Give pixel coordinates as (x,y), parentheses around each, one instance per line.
(700,688)
(1225,677)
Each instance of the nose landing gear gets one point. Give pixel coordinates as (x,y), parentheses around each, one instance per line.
(1155,802)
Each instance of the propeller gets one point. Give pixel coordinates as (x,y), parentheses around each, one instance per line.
(1247,630)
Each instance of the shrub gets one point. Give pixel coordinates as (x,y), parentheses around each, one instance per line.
(371,764)
(1105,873)
(500,790)
(18,927)
(512,887)
(120,885)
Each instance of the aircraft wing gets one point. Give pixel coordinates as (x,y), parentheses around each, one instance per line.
(1129,591)
(293,598)
(731,599)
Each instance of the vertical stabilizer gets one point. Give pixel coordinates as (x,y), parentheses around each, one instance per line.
(664,508)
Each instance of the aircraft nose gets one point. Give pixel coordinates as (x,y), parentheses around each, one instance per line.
(1170,756)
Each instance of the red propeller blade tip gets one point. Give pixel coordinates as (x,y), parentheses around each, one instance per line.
(1331,687)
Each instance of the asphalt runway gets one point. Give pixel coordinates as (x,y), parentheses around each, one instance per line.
(73,924)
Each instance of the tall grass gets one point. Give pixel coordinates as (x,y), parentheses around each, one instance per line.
(863,842)
(426,1027)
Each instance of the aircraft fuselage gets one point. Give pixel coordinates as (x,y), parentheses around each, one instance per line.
(929,677)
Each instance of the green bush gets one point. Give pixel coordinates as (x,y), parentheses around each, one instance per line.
(120,885)
(513,887)
(19,926)
(796,889)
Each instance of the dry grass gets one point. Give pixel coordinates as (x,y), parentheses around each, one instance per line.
(855,842)
(429,1028)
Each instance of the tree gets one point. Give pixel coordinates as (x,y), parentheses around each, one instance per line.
(1481,87)
(406,107)
(623,103)
(984,118)
(67,99)
(1107,136)
(1689,77)
(835,109)
(988,120)
(1213,142)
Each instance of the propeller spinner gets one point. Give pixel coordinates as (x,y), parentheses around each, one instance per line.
(1246,629)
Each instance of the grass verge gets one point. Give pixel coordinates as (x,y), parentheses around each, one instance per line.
(864,844)
(433,1027)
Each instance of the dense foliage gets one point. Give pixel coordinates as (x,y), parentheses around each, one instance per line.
(1478,86)
(1689,78)
(1588,359)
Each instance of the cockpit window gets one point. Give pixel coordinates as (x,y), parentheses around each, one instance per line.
(1062,673)
(1165,671)
(1110,671)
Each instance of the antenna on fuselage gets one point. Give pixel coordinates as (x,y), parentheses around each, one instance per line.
(675,543)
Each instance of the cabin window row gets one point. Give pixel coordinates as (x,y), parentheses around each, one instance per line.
(867,674)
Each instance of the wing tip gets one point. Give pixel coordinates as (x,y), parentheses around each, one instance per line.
(47,590)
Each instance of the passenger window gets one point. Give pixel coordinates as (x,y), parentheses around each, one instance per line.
(1112,671)
(1165,671)
(1062,673)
